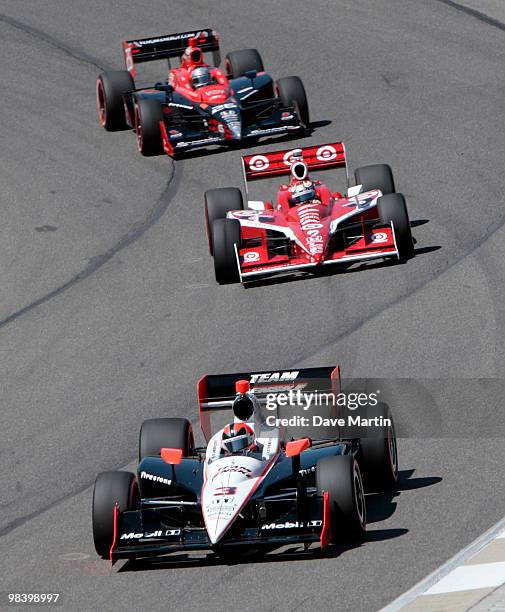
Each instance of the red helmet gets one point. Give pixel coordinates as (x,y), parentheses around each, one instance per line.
(237,437)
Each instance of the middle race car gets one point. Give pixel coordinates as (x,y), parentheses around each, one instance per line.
(199,105)
(306,225)
(251,487)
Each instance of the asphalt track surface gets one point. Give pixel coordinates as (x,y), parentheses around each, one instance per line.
(109,311)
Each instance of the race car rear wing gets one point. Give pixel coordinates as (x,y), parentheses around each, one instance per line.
(217,392)
(172,45)
(278,163)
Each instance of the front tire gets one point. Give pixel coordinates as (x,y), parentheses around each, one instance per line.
(292,93)
(225,235)
(393,209)
(218,202)
(377,176)
(111,488)
(341,477)
(148,115)
(110,87)
(237,63)
(156,434)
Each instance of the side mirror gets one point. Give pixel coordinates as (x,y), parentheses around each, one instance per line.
(295,447)
(171,455)
(251,74)
(166,87)
(353,191)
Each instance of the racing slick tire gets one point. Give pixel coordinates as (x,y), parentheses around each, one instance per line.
(156,434)
(109,89)
(225,235)
(392,208)
(292,92)
(148,115)
(379,452)
(341,477)
(111,488)
(378,176)
(237,63)
(217,203)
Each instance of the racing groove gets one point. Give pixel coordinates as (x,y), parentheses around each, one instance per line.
(116,313)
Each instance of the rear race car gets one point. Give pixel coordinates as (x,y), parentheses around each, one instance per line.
(179,113)
(273,235)
(228,497)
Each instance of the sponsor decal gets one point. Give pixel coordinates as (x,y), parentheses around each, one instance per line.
(288,157)
(233,468)
(257,163)
(219,107)
(161,39)
(326,153)
(225,491)
(379,237)
(251,256)
(307,471)
(155,478)
(160,533)
(310,223)
(292,525)
(269,377)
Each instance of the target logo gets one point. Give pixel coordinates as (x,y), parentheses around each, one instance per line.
(288,157)
(326,153)
(257,163)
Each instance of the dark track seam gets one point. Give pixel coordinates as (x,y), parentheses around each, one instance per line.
(134,234)
(475,13)
(77,54)
(99,260)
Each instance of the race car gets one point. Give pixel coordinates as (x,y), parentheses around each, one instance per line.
(251,487)
(305,226)
(199,105)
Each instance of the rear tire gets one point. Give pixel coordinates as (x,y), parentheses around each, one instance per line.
(392,208)
(237,63)
(378,176)
(109,89)
(217,203)
(111,488)
(292,92)
(379,453)
(156,434)
(148,115)
(226,234)
(341,477)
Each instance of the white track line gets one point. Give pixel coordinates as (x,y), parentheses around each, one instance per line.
(498,530)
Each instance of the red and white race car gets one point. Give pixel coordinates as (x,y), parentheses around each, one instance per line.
(306,225)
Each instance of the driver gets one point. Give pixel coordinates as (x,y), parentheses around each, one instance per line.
(238,438)
(302,189)
(200,77)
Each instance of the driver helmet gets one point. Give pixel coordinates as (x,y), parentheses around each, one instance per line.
(200,77)
(237,437)
(302,192)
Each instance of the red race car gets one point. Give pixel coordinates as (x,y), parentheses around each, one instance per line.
(199,104)
(306,225)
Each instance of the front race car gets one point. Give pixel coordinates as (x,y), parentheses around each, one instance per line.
(276,492)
